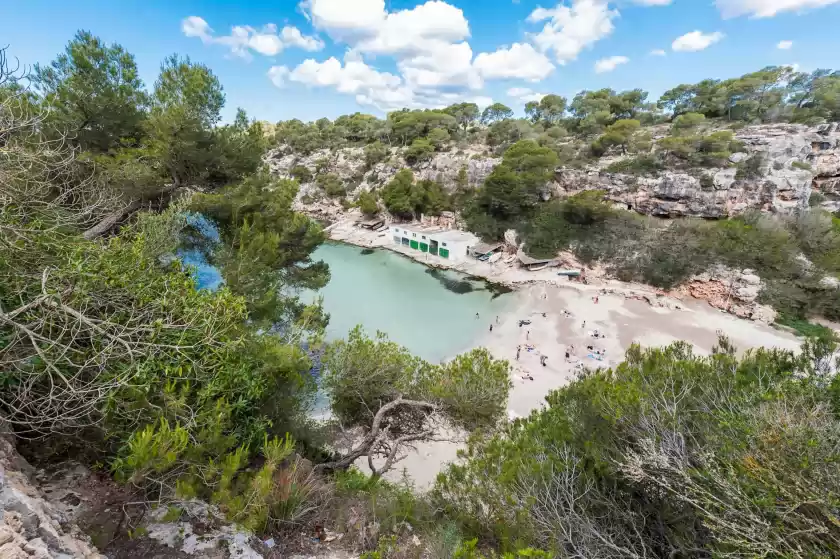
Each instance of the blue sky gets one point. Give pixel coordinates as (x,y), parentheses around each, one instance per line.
(286,59)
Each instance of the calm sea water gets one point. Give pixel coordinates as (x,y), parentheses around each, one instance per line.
(430,312)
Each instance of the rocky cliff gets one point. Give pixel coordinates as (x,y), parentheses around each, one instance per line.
(798,161)
(31,527)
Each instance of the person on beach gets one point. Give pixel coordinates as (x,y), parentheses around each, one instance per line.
(476,316)
(518,350)
(528,335)
(567,356)
(543,359)
(491,327)
(497,320)
(583,325)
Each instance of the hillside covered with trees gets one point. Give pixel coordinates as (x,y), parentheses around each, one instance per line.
(110,355)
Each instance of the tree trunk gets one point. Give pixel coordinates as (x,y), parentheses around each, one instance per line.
(114,218)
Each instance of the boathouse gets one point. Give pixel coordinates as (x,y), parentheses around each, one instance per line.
(448,244)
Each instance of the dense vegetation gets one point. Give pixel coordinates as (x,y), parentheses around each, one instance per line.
(111,354)
(667,455)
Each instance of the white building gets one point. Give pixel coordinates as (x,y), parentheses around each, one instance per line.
(447,244)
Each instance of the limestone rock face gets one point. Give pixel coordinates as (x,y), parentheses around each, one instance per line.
(782,187)
(797,160)
(734,291)
(31,526)
(349,165)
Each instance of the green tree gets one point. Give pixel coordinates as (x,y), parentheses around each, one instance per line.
(374,153)
(95,94)
(264,247)
(618,134)
(331,184)
(438,138)
(466,114)
(367,203)
(397,399)
(399,195)
(495,113)
(549,110)
(420,150)
(186,104)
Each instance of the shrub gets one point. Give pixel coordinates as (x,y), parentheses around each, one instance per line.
(802,165)
(420,150)
(301,173)
(641,165)
(751,168)
(374,153)
(367,203)
(331,184)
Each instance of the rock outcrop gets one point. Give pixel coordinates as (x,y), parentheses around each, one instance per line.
(797,161)
(30,526)
(785,185)
(733,291)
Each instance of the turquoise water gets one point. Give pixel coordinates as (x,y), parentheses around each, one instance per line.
(430,312)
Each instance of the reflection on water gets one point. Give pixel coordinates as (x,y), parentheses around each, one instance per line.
(430,312)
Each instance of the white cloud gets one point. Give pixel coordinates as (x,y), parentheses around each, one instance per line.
(520,60)
(278,75)
(194,26)
(243,38)
(653,2)
(571,29)
(784,45)
(442,65)
(524,94)
(368,27)
(767,8)
(609,64)
(695,41)
(658,52)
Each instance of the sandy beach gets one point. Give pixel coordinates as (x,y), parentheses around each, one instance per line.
(564,316)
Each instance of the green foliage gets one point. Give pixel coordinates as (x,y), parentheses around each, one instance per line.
(301,174)
(751,168)
(802,166)
(686,122)
(375,153)
(511,193)
(495,113)
(806,329)
(364,374)
(420,150)
(465,114)
(407,199)
(331,184)
(619,133)
(548,110)
(667,451)
(437,137)
(367,203)
(703,151)
(96,94)
(264,248)
(641,165)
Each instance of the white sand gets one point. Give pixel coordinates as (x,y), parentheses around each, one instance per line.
(622,320)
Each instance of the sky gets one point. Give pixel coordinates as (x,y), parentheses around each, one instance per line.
(308,59)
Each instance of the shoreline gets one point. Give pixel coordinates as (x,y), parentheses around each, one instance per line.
(607,316)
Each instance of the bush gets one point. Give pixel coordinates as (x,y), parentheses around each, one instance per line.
(656,453)
(641,165)
(331,184)
(302,174)
(805,328)
(802,165)
(420,150)
(367,203)
(751,168)
(374,153)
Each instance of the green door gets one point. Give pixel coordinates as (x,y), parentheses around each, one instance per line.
(433,247)
(424,247)
(444,253)
(414,245)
